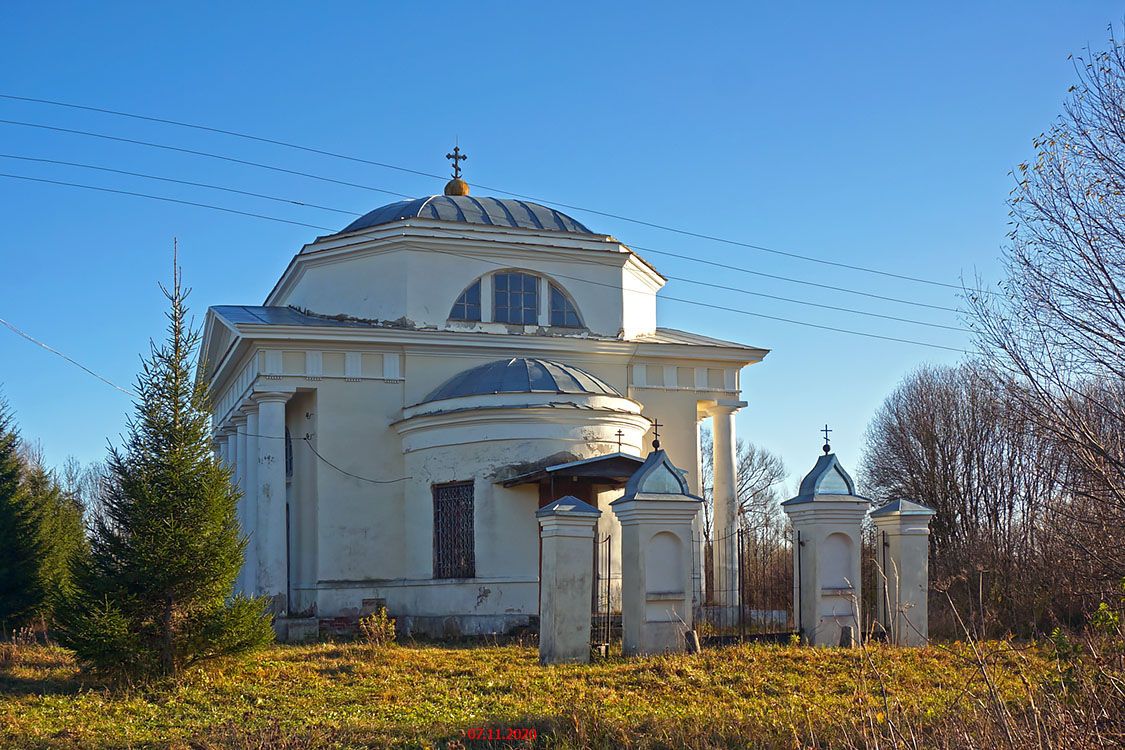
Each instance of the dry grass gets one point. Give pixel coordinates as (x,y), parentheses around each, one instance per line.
(352,696)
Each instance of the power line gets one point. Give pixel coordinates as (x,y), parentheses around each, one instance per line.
(127,392)
(57,353)
(574,278)
(178,182)
(194,152)
(157,198)
(348,473)
(385,165)
(659,252)
(735,309)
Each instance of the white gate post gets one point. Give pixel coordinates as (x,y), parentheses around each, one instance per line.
(656,514)
(566,581)
(903,544)
(827,517)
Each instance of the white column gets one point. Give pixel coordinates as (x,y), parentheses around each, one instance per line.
(238,478)
(566,583)
(270,530)
(250,499)
(724,502)
(903,551)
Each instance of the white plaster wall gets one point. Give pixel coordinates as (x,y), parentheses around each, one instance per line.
(419,286)
(301,489)
(370,286)
(359,522)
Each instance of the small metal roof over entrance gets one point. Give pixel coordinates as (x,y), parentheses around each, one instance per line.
(613,469)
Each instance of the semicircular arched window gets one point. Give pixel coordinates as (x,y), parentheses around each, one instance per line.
(563,312)
(515,298)
(467,306)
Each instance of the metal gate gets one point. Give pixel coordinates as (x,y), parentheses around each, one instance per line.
(747,586)
(873,574)
(605,623)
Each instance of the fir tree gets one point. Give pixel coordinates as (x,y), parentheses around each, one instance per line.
(21,548)
(62,535)
(155,594)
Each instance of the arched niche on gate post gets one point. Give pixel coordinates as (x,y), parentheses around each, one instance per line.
(827,519)
(656,514)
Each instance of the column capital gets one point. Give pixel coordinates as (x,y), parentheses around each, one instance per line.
(721,407)
(238,419)
(259,397)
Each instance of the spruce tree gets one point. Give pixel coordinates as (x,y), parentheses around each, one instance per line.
(21,585)
(155,593)
(61,532)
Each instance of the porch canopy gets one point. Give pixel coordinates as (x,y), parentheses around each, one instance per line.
(579,478)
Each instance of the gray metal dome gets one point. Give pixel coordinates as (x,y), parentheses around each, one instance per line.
(500,212)
(521,375)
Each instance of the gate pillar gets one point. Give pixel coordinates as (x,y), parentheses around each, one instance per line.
(656,514)
(827,517)
(903,529)
(566,582)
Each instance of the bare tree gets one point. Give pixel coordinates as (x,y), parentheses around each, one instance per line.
(954,439)
(758,472)
(84,484)
(1056,325)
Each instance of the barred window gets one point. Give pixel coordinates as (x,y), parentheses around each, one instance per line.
(467,306)
(562,310)
(454,545)
(515,298)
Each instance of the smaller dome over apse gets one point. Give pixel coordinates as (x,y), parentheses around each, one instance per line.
(521,375)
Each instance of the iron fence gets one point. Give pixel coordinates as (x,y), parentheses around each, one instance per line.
(747,588)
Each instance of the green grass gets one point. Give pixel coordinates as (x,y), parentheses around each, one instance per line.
(348,695)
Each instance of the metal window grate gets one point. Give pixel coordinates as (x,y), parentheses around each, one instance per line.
(454,553)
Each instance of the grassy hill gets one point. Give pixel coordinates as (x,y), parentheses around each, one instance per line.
(350,695)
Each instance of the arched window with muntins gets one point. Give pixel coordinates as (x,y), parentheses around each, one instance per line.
(515,298)
(563,312)
(467,306)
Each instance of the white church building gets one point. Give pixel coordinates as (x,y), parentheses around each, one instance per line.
(417,385)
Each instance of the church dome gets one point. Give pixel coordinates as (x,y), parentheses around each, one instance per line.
(521,375)
(498,212)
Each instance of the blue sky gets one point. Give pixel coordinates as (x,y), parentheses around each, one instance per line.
(878,135)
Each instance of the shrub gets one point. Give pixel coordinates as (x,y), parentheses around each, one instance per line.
(377,628)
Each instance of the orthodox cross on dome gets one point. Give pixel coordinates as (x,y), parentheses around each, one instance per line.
(827,445)
(620,434)
(656,434)
(456,157)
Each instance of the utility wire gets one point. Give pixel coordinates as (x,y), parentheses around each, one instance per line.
(561,276)
(113,385)
(157,198)
(79,165)
(57,353)
(689,301)
(385,165)
(659,252)
(348,473)
(194,152)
